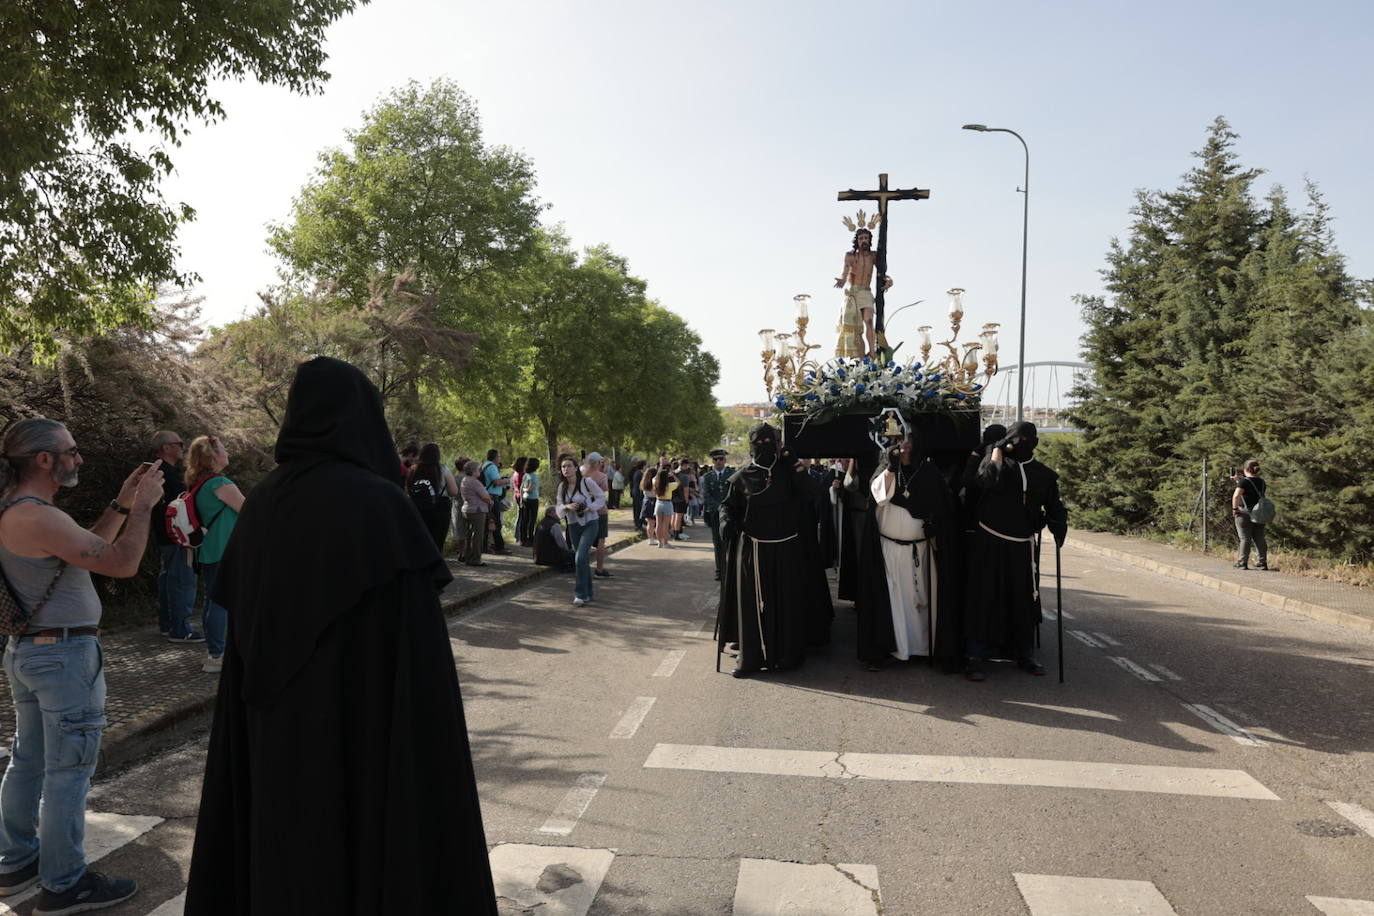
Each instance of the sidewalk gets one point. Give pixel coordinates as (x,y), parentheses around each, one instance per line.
(1331,602)
(159,697)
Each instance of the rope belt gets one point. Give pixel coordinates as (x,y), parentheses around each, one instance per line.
(758,583)
(1035,570)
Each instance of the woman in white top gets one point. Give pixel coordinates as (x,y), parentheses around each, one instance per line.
(579,500)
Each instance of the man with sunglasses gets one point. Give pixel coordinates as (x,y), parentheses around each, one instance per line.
(55,667)
(176,579)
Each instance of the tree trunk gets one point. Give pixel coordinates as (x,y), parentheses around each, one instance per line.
(551,441)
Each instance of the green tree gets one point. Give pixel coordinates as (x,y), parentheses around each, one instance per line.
(1217,339)
(84,230)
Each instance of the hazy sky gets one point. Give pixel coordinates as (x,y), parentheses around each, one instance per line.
(706,141)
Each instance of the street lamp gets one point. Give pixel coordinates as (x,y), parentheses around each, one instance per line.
(1025,234)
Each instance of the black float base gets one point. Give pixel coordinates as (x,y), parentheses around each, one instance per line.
(945,436)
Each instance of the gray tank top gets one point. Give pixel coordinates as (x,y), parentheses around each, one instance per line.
(74,603)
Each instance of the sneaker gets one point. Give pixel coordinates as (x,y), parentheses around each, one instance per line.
(93,892)
(653,542)
(1031,666)
(578,602)
(21,880)
(1239,566)
(188,639)
(602,573)
(973,669)
(213,665)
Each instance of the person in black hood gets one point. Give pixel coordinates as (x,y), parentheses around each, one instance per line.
(339,777)
(774,596)
(1018,496)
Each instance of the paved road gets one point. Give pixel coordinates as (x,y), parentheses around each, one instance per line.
(1207,755)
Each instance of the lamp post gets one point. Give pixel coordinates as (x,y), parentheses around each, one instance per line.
(1025,236)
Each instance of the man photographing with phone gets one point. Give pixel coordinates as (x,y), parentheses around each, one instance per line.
(55,666)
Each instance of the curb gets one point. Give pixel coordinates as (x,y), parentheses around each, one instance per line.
(1320,612)
(160,729)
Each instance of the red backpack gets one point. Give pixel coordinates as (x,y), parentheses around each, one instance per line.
(183,522)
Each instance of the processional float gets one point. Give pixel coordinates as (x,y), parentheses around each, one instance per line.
(865,398)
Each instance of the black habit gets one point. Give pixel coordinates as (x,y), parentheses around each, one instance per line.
(339,777)
(774,596)
(1014,503)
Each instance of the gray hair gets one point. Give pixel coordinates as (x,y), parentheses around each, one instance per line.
(471,467)
(163,437)
(22,442)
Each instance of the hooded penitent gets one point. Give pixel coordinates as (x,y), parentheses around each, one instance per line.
(339,777)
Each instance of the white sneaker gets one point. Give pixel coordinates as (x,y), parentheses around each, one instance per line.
(653,542)
(213,665)
(578,602)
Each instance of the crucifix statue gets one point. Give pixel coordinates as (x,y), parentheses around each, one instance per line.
(861,264)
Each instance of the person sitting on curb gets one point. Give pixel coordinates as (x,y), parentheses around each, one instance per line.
(551,543)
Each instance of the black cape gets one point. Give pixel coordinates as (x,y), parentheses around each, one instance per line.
(774,596)
(339,777)
(855,505)
(932,501)
(827,539)
(1003,607)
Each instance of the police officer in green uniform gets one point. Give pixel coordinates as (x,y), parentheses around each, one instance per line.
(714,484)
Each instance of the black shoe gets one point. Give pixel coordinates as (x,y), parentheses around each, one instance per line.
(1239,566)
(21,880)
(1031,666)
(741,673)
(93,892)
(973,670)
(603,573)
(1263,566)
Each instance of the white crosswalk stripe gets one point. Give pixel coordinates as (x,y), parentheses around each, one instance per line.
(1005,771)
(766,888)
(1063,895)
(1341,906)
(550,880)
(1358,815)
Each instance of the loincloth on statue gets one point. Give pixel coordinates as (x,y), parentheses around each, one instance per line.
(850,331)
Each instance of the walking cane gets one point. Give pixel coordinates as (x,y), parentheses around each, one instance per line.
(1059,608)
(930,608)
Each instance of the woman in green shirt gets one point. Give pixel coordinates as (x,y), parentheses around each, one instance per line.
(218,501)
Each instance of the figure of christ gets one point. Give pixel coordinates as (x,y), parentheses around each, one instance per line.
(857,336)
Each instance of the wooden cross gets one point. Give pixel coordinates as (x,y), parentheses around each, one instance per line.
(882,195)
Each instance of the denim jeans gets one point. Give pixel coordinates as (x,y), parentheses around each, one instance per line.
(583,539)
(176,591)
(215,618)
(59,702)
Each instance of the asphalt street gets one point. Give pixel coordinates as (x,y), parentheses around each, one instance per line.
(1206,755)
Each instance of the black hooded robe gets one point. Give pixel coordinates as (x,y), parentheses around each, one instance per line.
(1003,607)
(774,596)
(931,501)
(855,507)
(339,777)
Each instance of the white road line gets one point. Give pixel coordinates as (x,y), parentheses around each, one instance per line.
(699,629)
(1084,638)
(1358,815)
(105,832)
(553,880)
(1223,724)
(670,663)
(1143,673)
(633,718)
(1169,675)
(1062,895)
(1000,771)
(1103,637)
(1068,616)
(573,805)
(766,888)
(1342,906)
(174,907)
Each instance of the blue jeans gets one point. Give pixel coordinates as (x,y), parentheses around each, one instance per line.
(215,618)
(176,591)
(59,703)
(583,539)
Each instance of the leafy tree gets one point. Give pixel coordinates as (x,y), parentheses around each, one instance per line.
(1225,333)
(84,229)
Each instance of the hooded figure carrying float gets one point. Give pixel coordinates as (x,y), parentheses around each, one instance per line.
(774,598)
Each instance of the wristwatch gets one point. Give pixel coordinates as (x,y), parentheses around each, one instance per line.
(122,510)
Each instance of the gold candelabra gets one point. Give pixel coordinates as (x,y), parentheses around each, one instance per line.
(766,336)
(960,369)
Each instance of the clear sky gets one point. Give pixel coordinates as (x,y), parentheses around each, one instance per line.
(706,141)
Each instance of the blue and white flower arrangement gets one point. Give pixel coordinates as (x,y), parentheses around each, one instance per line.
(843,385)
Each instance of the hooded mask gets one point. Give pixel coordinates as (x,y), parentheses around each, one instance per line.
(763,445)
(1025,449)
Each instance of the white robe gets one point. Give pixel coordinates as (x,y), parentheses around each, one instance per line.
(908,584)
